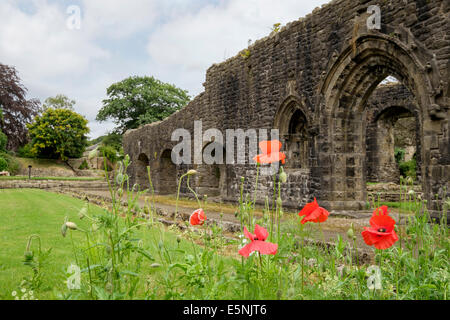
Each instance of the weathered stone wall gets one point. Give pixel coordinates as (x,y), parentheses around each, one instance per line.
(390,105)
(53,184)
(322,68)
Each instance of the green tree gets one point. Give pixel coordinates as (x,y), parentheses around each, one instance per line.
(3,141)
(136,101)
(58,134)
(60,101)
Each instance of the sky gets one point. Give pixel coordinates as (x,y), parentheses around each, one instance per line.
(80,47)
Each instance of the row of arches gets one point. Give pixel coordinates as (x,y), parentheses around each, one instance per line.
(338,142)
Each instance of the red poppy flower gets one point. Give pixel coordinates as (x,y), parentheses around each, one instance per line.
(197,218)
(381,234)
(258,243)
(314,213)
(271,152)
(382,211)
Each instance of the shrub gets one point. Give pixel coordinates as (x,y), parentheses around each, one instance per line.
(110,153)
(399,155)
(13,164)
(3,164)
(84,165)
(25,151)
(408,168)
(3,141)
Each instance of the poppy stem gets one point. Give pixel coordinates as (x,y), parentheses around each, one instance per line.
(178,196)
(273,206)
(254,196)
(195,194)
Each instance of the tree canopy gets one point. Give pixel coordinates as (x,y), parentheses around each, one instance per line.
(58,134)
(60,101)
(136,101)
(15,109)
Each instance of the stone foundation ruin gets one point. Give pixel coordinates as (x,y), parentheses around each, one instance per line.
(317,81)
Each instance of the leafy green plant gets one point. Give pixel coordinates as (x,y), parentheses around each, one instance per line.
(84,165)
(3,164)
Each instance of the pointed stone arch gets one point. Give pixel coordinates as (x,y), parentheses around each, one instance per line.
(344,94)
(293,121)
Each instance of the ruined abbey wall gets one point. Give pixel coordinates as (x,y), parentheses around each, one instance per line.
(313,80)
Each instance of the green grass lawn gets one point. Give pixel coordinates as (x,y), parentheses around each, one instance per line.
(26,212)
(53,178)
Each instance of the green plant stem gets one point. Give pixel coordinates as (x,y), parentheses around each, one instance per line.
(178,196)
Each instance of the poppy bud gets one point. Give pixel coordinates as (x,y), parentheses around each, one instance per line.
(283,176)
(192,172)
(351,234)
(279,202)
(64,230)
(119,178)
(120,192)
(71,225)
(411,192)
(82,213)
(242,179)
(28,255)
(160,244)
(179,239)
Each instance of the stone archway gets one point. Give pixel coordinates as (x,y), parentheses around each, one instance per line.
(345,92)
(382,134)
(141,173)
(211,179)
(292,122)
(167,173)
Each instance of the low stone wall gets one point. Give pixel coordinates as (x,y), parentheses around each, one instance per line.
(52,184)
(390,192)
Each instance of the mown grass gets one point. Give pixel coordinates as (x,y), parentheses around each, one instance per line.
(34,212)
(23,178)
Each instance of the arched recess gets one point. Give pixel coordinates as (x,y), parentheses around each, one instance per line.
(211,179)
(293,123)
(141,171)
(344,95)
(167,174)
(382,136)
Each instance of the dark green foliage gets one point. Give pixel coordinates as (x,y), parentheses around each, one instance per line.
(136,101)
(84,166)
(25,151)
(3,141)
(399,155)
(408,168)
(3,164)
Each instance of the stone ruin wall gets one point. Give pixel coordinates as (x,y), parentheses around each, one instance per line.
(324,66)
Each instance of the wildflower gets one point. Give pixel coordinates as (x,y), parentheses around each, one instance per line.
(258,243)
(381,211)
(14,293)
(314,213)
(381,234)
(197,218)
(271,152)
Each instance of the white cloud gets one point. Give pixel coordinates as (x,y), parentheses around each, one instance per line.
(118,18)
(175,41)
(190,43)
(42,45)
